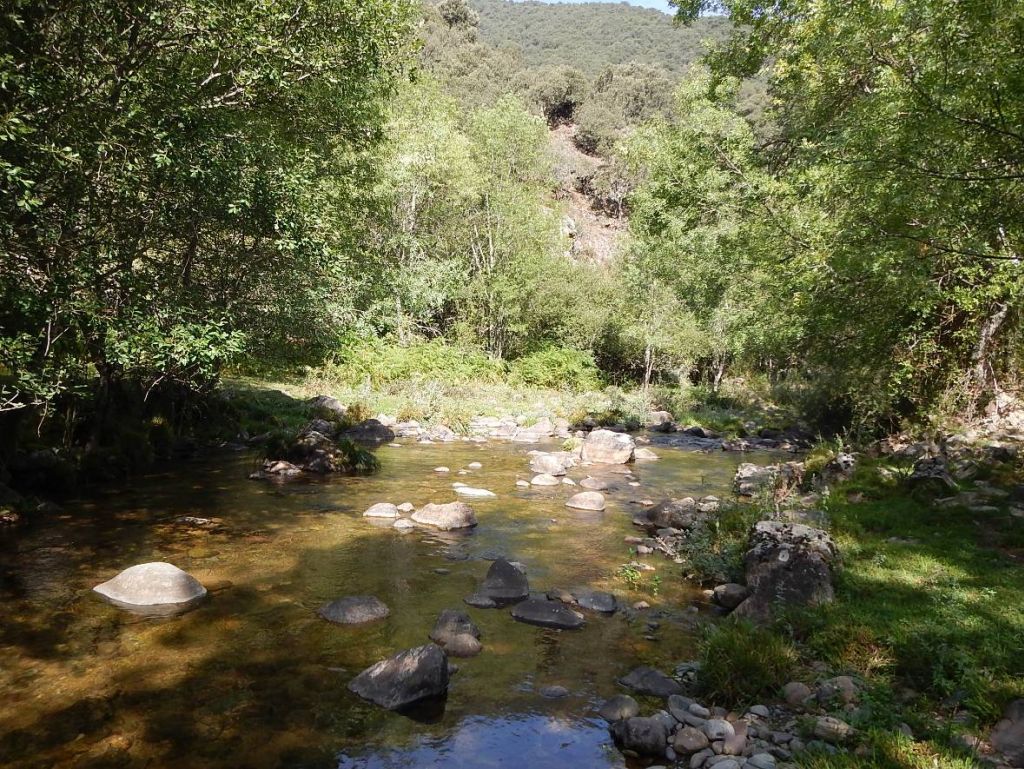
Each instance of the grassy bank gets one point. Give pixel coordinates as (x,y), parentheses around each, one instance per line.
(928,615)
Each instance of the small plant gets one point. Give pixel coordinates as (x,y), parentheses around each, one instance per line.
(656,584)
(631,575)
(741,663)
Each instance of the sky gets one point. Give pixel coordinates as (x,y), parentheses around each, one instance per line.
(661,5)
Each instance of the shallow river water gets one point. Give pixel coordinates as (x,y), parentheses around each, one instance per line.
(253,678)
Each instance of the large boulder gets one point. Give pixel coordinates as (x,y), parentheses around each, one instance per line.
(788,564)
(618,707)
(381,510)
(608,448)
(454,515)
(354,610)
(545,613)
(326,407)
(505,582)
(674,514)
(404,678)
(647,736)
(152,584)
(551,464)
(595,600)
(660,421)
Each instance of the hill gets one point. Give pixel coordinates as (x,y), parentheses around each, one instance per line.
(590,36)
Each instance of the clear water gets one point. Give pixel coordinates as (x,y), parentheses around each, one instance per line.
(252,678)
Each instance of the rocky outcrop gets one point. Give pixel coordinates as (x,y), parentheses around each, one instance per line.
(454,515)
(787,564)
(608,448)
(354,610)
(404,679)
(153,584)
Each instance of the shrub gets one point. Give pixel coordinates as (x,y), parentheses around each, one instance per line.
(557,368)
(741,663)
(382,361)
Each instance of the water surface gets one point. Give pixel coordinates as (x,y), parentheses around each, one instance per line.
(252,678)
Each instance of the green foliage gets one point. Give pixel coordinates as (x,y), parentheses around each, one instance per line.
(558,92)
(380,361)
(742,663)
(558,368)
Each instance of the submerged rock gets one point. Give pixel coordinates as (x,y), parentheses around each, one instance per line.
(544,480)
(545,613)
(354,610)
(594,484)
(606,447)
(651,682)
(404,678)
(457,633)
(152,584)
(381,510)
(469,491)
(454,515)
(587,500)
(596,600)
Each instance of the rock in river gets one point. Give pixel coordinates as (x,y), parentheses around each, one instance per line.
(606,447)
(646,736)
(405,678)
(354,610)
(587,500)
(545,613)
(649,681)
(381,510)
(545,480)
(596,600)
(549,464)
(469,491)
(153,584)
(457,633)
(454,515)
(505,582)
(618,707)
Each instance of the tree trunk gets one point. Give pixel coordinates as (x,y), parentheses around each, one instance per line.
(982,371)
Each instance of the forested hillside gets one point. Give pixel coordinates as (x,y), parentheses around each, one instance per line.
(591,36)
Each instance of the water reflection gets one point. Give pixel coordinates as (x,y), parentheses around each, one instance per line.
(521,741)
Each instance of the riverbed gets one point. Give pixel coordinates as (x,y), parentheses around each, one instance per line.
(253,678)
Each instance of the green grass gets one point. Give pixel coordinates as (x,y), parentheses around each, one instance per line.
(741,663)
(890,750)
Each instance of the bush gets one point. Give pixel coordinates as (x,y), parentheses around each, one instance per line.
(557,368)
(383,361)
(740,663)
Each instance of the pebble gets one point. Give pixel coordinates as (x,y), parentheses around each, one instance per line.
(442,470)
(474,465)
(554,692)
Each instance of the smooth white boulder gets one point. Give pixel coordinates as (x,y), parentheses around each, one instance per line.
(152,584)
(469,491)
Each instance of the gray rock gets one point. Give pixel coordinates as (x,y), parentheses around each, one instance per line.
(505,582)
(788,564)
(606,447)
(730,595)
(690,740)
(618,707)
(450,624)
(718,729)
(679,706)
(354,610)
(382,510)
(759,710)
(1008,734)
(553,692)
(796,693)
(548,464)
(474,493)
(587,500)
(594,484)
(454,515)
(673,514)
(405,678)
(736,743)
(463,645)
(832,730)
(649,681)
(326,407)
(723,762)
(404,525)
(545,613)
(153,584)
(700,711)
(644,454)
(761,761)
(480,601)
(595,600)
(697,760)
(645,736)
(371,431)
(841,689)
(545,479)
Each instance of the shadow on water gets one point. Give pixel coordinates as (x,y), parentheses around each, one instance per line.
(252,678)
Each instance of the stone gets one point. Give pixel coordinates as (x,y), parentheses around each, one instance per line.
(381,510)
(761,761)
(672,514)
(660,421)
(697,760)
(759,710)
(679,706)
(730,595)
(450,624)
(690,740)
(618,707)
(606,447)
(153,584)
(594,484)
(326,407)
(505,582)
(354,610)
(474,465)
(596,600)
(587,500)
(1007,736)
(544,480)
(931,474)
(646,680)
(841,688)
(548,464)
(463,645)
(644,454)
(404,525)
(442,469)
(454,515)
(645,736)
(523,484)
(469,491)
(553,692)
(406,507)
(371,431)
(718,729)
(699,710)
(832,730)
(787,565)
(405,678)
(736,743)
(545,613)
(275,469)
(796,693)
(723,762)
(480,601)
